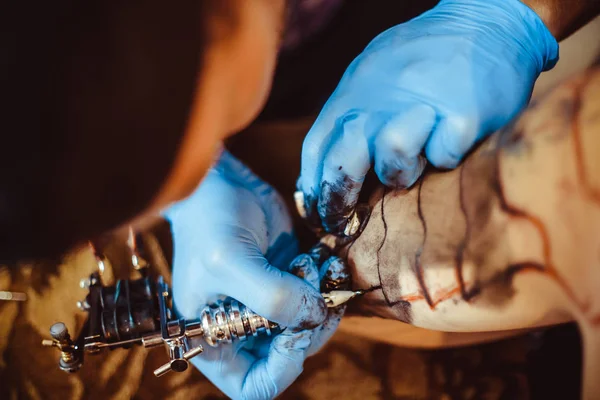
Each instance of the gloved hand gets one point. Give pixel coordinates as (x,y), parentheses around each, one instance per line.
(233,237)
(437,83)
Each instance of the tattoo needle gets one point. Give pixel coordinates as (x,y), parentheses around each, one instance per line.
(338,297)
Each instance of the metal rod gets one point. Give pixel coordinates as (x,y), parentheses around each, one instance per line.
(12,296)
(101,345)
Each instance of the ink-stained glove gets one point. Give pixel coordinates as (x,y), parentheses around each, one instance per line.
(233,237)
(434,85)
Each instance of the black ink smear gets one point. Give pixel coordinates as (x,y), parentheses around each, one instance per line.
(460,253)
(506,276)
(401,307)
(418,266)
(334,206)
(349,248)
(373,288)
(385,232)
(312,220)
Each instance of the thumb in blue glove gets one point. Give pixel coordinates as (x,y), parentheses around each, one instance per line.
(233,237)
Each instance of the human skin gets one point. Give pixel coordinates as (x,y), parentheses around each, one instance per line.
(509,240)
(564,17)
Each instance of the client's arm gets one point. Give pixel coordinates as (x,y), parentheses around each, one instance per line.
(511,239)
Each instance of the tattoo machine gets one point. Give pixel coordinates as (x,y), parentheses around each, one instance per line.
(139,312)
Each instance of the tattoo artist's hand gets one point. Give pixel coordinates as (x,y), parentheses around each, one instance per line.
(233,237)
(434,85)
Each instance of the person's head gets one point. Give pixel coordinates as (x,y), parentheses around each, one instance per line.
(113,110)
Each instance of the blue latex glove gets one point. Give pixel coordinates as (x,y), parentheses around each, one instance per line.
(437,83)
(233,237)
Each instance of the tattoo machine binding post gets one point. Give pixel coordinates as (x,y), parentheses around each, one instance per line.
(139,312)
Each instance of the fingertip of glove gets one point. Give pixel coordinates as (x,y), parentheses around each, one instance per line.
(336,203)
(439,156)
(400,177)
(443,160)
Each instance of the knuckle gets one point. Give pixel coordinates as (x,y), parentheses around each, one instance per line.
(398,142)
(462,129)
(397,146)
(351,116)
(311,150)
(301,265)
(366,62)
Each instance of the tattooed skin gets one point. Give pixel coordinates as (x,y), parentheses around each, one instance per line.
(510,239)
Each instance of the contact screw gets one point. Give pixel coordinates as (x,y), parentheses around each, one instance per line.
(179,355)
(83,305)
(69,361)
(86,283)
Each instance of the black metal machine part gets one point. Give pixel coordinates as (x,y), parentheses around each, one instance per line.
(139,312)
(125,311)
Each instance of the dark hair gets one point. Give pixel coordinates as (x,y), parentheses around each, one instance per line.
(95,100)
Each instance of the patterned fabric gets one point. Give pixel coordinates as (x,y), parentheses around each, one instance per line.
(348,368)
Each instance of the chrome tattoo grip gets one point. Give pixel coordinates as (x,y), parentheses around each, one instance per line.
(219,323)
(229,320)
